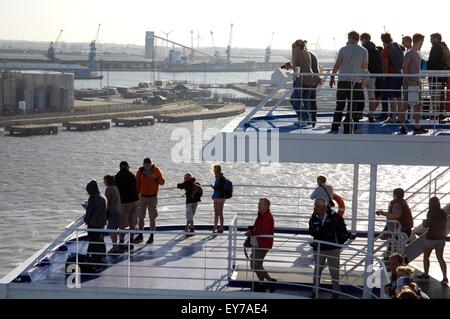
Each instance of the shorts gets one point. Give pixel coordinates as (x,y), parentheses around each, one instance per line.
(219,200)
(129,215)
(149,203)
(191,209)
(374,88)
(392,88)
(434,244)
(413,95)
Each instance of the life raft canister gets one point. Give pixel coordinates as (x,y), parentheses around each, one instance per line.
(340,202)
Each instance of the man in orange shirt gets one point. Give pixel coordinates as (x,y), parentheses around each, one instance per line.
(148,180)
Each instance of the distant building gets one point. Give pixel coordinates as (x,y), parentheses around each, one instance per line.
(149,45)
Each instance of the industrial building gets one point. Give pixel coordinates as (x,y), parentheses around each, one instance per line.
(34,91)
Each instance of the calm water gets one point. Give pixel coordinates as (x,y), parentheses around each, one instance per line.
(133,78)
(43,179)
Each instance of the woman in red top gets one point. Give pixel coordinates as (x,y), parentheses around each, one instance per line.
(264,225)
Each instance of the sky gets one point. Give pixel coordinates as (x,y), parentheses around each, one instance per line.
(325,22)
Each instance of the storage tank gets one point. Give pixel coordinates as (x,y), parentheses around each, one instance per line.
(65,103)
(28,80)
(39,99)
(39,79)
(54,100)
(9,93)
(1,93)
(28,97)
(22,106)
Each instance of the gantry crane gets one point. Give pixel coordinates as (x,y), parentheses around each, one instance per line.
(51,49)
(93,50)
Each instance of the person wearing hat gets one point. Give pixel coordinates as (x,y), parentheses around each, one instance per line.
(126,182)
(148,180)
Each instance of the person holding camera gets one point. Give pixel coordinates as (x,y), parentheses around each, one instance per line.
(148,180)
(264,226)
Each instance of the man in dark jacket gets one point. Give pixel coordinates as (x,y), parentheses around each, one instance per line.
(326,225)
(95,218)
(375,67)
(436,62)
(126,182)
(262,241)
(194,193)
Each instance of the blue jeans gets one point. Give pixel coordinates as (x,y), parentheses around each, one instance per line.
(300,101)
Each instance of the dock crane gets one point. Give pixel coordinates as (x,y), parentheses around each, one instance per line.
(269,51)
(215,52)
(51,49)
(229,45)
(93,50)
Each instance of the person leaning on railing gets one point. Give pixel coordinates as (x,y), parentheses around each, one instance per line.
(328,226)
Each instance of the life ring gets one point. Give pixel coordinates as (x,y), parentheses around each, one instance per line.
(341,205)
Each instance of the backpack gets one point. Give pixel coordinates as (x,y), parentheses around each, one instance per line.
(228,189)
(446,55)
(342,234)
(197,192)
(396,57)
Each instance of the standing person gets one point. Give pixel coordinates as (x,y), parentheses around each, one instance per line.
(326,225)
(148,179)
(392,86)
(438,60)
(384,103)
(411,65)
(218,197)
(399,210)
(323,190)
(194,193)
(129,197)
(264,226)
(95,219)
(407,42)
(375,66)
(303,84)
(436,222)
(352,59)
(113,210)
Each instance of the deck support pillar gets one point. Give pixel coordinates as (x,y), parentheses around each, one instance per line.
(355,198)
(368,269)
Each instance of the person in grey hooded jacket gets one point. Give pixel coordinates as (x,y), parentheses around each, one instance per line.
(95,218)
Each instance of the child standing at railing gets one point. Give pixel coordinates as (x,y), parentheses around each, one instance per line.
(194,193)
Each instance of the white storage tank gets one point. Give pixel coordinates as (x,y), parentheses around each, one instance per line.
(65,103)
(22,106)
(9,93)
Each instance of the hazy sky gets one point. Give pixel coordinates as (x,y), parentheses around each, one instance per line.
(254,21)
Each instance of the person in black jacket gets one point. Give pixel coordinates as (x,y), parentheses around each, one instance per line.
(374,84)
(326,225)
(436,61)
(194,193)
(95,219)
(126,182)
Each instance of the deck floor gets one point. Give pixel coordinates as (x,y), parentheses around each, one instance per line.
(178,262)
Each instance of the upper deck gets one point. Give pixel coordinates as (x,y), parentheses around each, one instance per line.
(272,132)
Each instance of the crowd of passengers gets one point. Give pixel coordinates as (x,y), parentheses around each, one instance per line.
(128,197)
(396,93)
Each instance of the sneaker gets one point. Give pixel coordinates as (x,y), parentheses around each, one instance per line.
(150,240)
(444,282)
(272,286)
(402,131)
(420,130)
(220,231)
(139,239)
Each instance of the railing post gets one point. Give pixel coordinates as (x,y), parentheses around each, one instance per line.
(316,278)
(355,198)
(77,267)
(370,229)
(129,261)
(234,243)
(230,251)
